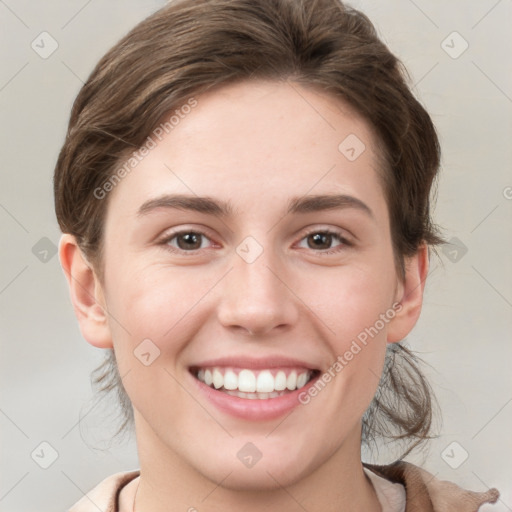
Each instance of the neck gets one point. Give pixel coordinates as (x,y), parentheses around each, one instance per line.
(167,483)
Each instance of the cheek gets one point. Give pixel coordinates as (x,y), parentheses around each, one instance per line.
(355,309)
(152,319)
(351,301)
(155,303)
(156,312)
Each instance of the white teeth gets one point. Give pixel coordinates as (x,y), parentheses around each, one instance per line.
(280,381)
(248,384)
(218,379)
(265,382)
(301,380)
(291,381)
(230,380)
(261,396)
(247,381)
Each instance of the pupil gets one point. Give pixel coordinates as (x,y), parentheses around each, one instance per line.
(320,239)
(190,241)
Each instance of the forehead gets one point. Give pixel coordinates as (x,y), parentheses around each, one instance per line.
(258,141)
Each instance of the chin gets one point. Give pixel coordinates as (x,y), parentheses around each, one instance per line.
(259,478)
(270,472)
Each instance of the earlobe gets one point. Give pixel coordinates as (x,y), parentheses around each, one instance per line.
(86,294)
(410,296)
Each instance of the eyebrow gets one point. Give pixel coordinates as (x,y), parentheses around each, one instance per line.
(317,203)
(209,206)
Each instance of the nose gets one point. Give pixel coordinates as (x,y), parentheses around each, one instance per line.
(256,297)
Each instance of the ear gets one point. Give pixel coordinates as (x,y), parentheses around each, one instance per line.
(86,294)
(409,296)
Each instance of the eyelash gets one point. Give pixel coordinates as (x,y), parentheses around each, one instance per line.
(344,243)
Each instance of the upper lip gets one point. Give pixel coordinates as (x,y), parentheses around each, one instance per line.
(252,363)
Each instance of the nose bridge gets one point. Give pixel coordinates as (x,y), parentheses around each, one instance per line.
(254,295)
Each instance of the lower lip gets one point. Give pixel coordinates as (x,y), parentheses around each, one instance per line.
(253,409)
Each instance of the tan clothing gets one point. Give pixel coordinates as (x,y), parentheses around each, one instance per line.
(426,493)
(400,487)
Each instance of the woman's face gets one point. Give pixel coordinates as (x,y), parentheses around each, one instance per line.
(252,246)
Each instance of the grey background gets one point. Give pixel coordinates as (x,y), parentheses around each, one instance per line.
(464,332)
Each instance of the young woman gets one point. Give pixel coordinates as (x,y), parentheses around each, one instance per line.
(244,195)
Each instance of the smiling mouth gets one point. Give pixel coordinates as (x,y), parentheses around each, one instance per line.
(254,384)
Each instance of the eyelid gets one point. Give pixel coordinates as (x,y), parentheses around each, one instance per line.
(171,234)
(343,234)
(339,233)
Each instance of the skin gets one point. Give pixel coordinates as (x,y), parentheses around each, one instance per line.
(239,145)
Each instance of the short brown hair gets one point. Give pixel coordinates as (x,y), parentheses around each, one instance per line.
(191,46)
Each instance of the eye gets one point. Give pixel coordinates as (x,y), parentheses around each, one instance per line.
(187,241)
(322,241)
